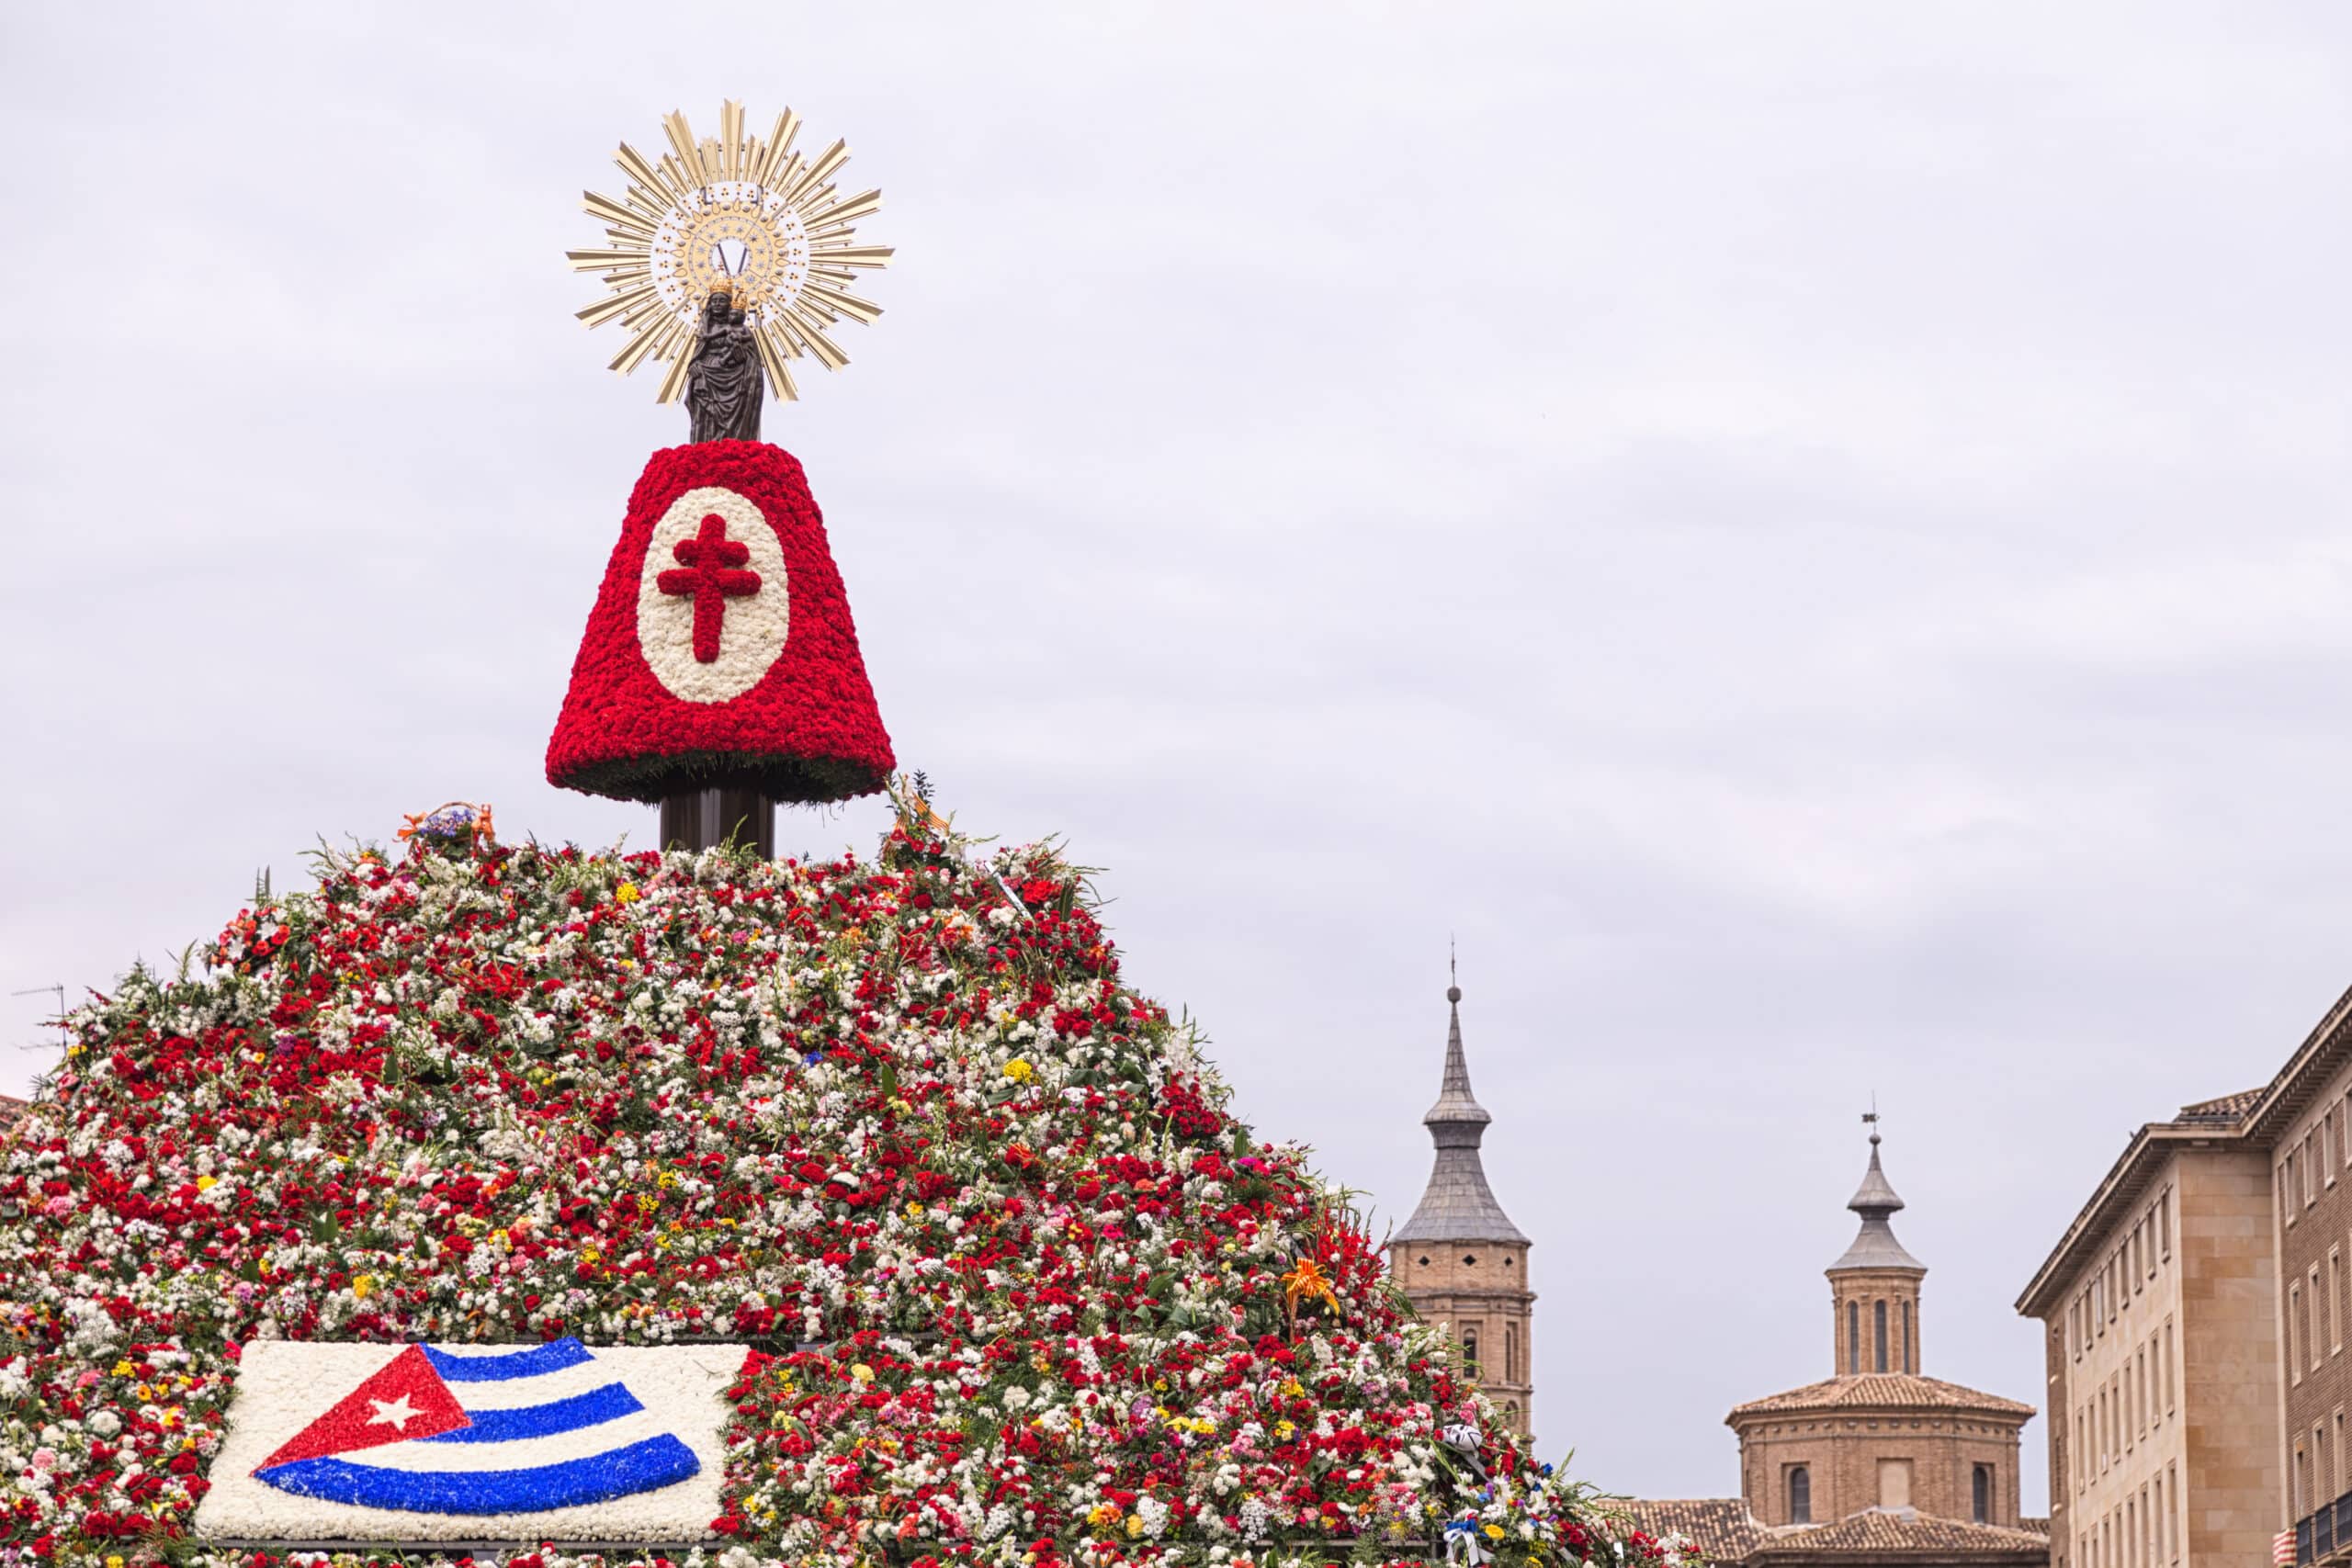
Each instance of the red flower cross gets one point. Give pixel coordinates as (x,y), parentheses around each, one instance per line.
(710,558)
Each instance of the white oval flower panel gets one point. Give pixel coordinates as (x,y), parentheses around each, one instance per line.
(713,606)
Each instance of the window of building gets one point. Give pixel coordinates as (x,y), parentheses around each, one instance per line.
(2172,1511)
(2166,1344)
(2287,1191)
(1800,1495)
(1878,1333)
(2164,1225)
(2327,1147)
(1980,1495)
(1510,1413)
(2082,1449)
(2319,1467)
(2335,1301)
(1511,1352)
(2299,1485)
(2315,1346)
(1894,1483)
(1854,1337)
(2140,1390)
(1470,1349)
(2310,1185)
(2130,1532)
(2294,1349)
(1910,1361)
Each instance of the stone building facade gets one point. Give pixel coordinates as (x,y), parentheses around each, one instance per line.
(2194,1318)
(1459,1259)
(1878,1463)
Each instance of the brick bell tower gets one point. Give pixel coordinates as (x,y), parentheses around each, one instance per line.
(1459,1259)
(1874,1287)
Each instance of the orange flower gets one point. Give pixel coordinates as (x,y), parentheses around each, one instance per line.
(1308,1283)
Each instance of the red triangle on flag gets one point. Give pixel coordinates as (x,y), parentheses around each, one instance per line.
(404,1398)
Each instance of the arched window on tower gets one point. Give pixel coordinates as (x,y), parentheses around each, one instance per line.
(1800,1495)
(1854,1336)
(1470,1349)
(1510,1413)
(1878,1321)
(1910,1358)
(1511,1352)
(1980,1496)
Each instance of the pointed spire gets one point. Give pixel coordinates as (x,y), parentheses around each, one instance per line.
(1874,1244)
(1455,1103)
(1457,1206)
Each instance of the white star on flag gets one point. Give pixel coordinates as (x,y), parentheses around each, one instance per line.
(396,1412)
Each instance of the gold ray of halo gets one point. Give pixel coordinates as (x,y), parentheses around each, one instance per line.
(661,254)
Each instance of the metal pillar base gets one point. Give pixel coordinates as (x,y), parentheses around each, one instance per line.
(704,819)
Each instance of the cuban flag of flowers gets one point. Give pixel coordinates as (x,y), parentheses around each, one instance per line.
(424,1442)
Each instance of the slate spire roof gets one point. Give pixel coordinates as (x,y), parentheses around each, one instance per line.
(1874,1244)
(1457,1206)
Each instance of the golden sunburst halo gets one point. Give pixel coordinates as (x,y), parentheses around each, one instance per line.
(742,211)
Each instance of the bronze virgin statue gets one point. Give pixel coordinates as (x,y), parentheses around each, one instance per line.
(723,384)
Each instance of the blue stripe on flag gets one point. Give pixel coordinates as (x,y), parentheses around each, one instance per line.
(640,1467)
(536,1362)
(598,1404)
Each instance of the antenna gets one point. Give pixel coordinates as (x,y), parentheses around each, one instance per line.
(64,1035)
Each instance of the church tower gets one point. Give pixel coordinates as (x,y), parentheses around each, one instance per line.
(1878,1436)
(1459,1259)
(1874,1286)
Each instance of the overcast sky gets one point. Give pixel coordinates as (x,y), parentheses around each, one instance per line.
(1812,538)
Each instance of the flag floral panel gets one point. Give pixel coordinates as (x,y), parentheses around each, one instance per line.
(421,1442)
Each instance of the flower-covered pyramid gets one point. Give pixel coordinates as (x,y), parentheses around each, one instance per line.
(1023,1293)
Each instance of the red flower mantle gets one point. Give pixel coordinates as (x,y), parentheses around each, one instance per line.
(808,729)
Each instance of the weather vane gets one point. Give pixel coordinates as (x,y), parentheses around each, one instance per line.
(729,256)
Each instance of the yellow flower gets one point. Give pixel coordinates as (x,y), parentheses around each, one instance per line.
(362,1285)
(647,1202)
(207,1183)
(1018,1070)
(914,1211)
(1496,1532)
(862,1372)
(113,1562)
(1135,1525)
(123,1369)
(626,892)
